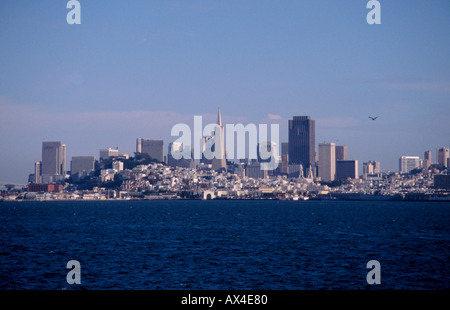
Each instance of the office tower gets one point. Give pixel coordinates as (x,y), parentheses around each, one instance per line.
(173,147)
(442,154)
(341,152)
(408,163)
(284,157)
(36,177)
(284,148)
(253,170)
(112,153)
(108,152)
(376,166)
(53,158)
(37,172)
(327,161)
(427,160)
(182,162)
(295,171)
(219,160)
(205,141)
(239,169)
(427,155)
(265,151)
(267,155)
(82,165)
(302,142)
(371,167)
(346,169)
(284,164)
(153,148)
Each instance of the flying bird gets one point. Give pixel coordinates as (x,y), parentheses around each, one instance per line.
(373,118)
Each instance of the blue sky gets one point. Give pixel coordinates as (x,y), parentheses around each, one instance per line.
(136,68)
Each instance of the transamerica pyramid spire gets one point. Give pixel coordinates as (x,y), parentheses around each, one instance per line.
(219,160)
(219,118)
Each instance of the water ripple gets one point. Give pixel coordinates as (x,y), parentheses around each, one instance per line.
(224,245)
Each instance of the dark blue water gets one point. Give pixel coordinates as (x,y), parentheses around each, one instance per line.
(224,244)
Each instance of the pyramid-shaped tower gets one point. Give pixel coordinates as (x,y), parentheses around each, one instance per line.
(219,162)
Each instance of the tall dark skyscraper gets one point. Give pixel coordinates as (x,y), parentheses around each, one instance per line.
(302,141)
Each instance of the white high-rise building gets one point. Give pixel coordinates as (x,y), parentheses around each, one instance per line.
(327,161)
(37,173)
(408,163)
(108,152)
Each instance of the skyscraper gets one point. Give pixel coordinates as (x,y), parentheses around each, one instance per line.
(37,172)
(341,152)
(427,160)
(153,148)
(371,167)
(265,148)
(284,157)
(219,160)
(442,154)
(181,162)
(82,165)
(253,170)
(53,158)
(408,163)
(346,169)
(284,148)
(204,143)
(302,142)
(110,152)
(327,161)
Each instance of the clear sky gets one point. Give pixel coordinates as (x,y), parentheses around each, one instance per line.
(136,68)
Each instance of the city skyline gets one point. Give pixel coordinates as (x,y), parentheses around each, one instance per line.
(156,148)
(123,74)
(330,161)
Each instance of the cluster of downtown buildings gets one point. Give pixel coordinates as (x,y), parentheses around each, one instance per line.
(300,172)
